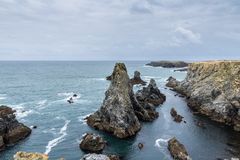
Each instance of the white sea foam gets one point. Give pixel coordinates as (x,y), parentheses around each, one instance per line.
(82,118)
(100,79)
(42,104)
(151,77)
(21,111)
(161,142)
(3,96)
(59,139)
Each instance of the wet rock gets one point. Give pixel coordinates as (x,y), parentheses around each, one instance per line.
(11,131)
(213,89)
(168,64)
(92,143)
(181,70)
(177,118)
(177,150)
(109,78)
(137,79)
(116,114)
(172,82)
(34,127)
(75,95)
(29,156)
(140,146)
(99,157)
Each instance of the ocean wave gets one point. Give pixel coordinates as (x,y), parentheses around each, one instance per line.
(82,118)
(161,142)
(21,111)
(56,141)
(3,96)
(42,104)
(100,79)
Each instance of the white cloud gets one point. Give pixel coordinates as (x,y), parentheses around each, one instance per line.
(184,35)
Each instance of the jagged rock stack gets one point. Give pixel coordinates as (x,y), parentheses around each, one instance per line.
(11,131)
(177,150)
(213,89)
(137,79)
(122,109)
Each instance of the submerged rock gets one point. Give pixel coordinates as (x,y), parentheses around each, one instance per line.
(99,157)
(29,156)
(137,79)
(213,89)
(116,114)
(92,143)
(168,64)
(176,116)
(11,131)
(177,150)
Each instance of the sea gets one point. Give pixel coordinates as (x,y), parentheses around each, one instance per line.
(39,91)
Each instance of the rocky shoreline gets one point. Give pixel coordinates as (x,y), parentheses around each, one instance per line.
(212,89)
(11,131)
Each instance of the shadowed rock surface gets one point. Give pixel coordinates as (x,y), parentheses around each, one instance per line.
(213,89)
(29,156)
(137,79)
(99,157)
(177,150)
(116,114)
(11,131)
(168,64)
(92,143)
(149,98)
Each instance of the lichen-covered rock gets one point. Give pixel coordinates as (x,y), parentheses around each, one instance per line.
(177,150)
(116,114)
(92,143)
(29,156)
(213,89)
(137,79)
(99,157)
(11,131)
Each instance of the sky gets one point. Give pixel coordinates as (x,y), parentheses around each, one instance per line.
(119,29)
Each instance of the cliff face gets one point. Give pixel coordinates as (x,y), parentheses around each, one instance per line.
(213,89)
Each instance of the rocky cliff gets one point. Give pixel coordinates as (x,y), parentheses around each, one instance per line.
(11,131)
(116,114)
(213,89)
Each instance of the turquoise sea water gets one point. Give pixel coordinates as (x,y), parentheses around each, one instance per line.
(39,90)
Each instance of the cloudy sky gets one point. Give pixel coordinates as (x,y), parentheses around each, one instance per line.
(119,29)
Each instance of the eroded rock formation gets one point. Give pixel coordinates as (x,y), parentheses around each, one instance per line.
(137,79)
(11,131)
(177,150)
(92,143)
(99,157)
(213,89)
(116,114)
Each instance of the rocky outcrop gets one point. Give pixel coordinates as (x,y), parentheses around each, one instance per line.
(177,150)
(11,131)
(92,143)
(99,157)
(116,114)
(176,117)
(148,98)
(29,156)
(137,79)
(181,69)
(168,64)
(213,89)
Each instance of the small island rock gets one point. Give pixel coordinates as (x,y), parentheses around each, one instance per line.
(92,143)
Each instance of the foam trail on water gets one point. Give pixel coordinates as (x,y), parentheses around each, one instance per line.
(59,139)
(3,96)
(161,142)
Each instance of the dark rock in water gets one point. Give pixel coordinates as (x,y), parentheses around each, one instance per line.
(75,95)
(70,100)
(177,150)
(109,78)
(92,143)
(213,89)
(176,116)
(11,131)
(140,146)
(200,124)
(172,82)
(34,127)
(148,98)
(116,114)
(94,156)
(168,64)
(137,79)
(181,69)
